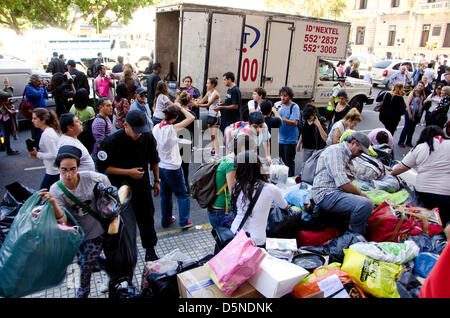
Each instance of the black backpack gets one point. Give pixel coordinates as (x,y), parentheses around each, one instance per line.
(299,127)
(86,137)
(202,186)
(380,99)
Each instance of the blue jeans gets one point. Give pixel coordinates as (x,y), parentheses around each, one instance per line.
(218,217)
(408,130)
(359,208)
(172,181)
(48,180)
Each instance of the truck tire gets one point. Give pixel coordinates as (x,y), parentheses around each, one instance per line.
(358,103)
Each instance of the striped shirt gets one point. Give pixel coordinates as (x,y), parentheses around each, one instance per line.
(330,171)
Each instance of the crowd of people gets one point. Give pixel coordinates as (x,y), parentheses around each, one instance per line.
(139,129)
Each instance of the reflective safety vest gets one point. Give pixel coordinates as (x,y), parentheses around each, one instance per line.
(330,105)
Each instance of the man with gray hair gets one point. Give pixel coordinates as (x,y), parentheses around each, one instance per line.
(333,190)
(401,76)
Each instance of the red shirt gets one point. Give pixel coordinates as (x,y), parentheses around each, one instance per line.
(437,284)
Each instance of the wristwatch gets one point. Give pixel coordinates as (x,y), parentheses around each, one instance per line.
(157,181)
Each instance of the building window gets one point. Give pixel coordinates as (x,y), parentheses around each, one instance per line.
(436,30)
(362,4)
(431,1)
(391,38)
(447,37)
(360,35)
(395,3)
(425,35)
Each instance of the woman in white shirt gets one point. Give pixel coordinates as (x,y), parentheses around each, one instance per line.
(434,98)
(431,156)
(161,102)
(213,97)
(258,95)
(248,178)
(48,122)
(350,120)
(170,170)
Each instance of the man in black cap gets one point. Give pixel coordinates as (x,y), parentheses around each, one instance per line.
(55,66)
(125,156)
(140,103)
(80,79)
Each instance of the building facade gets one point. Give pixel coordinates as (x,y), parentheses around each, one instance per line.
(404,29)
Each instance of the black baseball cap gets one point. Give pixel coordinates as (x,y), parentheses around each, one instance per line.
(69,150)
(71,63)
(136,120)
(141,91)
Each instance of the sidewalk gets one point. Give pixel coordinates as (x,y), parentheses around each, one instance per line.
(195,242)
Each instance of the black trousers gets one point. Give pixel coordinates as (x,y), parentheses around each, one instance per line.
(144,210)
(7,130)
(287,154)
(36,135)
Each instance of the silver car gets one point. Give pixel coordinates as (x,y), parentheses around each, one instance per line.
(383,70)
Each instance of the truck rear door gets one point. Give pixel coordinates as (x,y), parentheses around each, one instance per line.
(276,61)
(225,47)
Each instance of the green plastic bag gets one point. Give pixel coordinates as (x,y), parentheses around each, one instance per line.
(374,277)
(379,196)
(37,251)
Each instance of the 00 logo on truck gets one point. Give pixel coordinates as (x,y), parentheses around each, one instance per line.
(250,69)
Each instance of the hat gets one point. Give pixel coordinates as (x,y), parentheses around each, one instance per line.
(71,63)
(141,90)
(71,150)
(341,79)
(136,119)
(447,73)
(363,140)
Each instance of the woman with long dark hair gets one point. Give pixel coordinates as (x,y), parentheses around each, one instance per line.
(431,156)
(393,108)
(413,114)
(121,104)
(48,122)
(249,176)
(161,102)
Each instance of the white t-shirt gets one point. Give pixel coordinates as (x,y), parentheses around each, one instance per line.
(211,111)
(435,100)
(338,125)
(368,77)
(433,170)
(85,193)
(86,162)
(257,221)
(161,104)
(253,106)
(48,146)
(167,146)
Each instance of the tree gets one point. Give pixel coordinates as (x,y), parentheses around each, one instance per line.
(330,9)
(64,13)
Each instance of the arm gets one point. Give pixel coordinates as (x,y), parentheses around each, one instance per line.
(156,186)
(231,180)
(60,216)
(98,130)
(186,122)
(350,188)
(214,97)
(337,134)
(299,143)
(135,173)
(322,132)
(398,169)
(408,107)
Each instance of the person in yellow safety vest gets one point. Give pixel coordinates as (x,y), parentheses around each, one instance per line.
(334,99)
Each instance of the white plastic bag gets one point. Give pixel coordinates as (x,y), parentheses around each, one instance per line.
(168,262)
(398,253)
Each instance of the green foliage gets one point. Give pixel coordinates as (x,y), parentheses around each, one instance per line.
(329,9)
(64,13)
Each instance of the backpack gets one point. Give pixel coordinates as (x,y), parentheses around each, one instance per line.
(380,99)
(202,186)
(232,131)
(86,137)
(299,118)
(309,168)
(366,168)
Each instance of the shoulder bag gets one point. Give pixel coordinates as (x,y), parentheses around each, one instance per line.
(223,235)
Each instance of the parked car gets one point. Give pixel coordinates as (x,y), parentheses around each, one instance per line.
(18,73)
(384,69)
(365,60)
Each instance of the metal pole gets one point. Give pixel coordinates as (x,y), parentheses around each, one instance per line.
(411,8)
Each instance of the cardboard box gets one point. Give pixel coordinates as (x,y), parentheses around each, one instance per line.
(277,277)
(196,283)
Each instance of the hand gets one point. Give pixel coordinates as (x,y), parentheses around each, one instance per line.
(217,108)
(156,189)
(298,147)
(68,75)
(136,173)
(46,196)
(363,195)
(316,121)
(269,160)
(33,153)
(410,116)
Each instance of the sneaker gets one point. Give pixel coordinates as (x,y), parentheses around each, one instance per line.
(188,225)
(150,255)
(213,153)
(172,220)
(12,152)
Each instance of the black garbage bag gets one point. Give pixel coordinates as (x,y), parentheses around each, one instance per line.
(107,201)
(408,286)
(283,223)
(12,201)
(123,288)
(165,285)
(121,249)
(334,248)
(433,244)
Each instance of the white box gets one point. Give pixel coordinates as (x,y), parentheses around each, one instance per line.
(276,277)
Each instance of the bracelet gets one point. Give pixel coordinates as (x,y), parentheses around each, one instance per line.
(62,216)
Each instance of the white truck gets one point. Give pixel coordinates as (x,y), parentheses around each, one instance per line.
(262,49)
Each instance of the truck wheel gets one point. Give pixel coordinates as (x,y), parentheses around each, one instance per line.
(358,103)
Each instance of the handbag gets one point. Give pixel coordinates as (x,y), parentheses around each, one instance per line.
(25,108)
(223,235)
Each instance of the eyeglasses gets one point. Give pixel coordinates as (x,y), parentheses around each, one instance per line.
(258,126)
(71,170)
